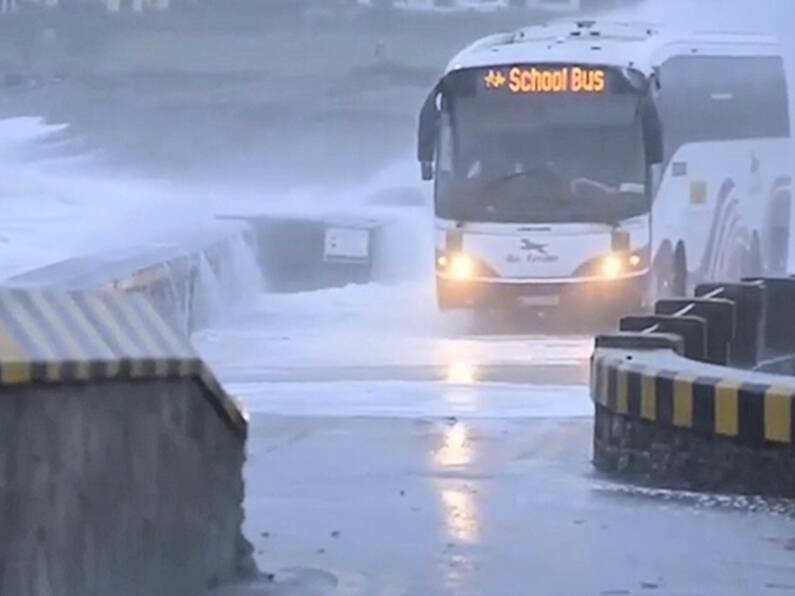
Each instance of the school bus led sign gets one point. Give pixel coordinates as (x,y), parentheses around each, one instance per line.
(569,79)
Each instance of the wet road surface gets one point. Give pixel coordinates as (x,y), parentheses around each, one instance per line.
(425,460)
(385,506)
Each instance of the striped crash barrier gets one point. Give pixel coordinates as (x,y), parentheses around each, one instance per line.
(687,397)
(659,385)
(52,337)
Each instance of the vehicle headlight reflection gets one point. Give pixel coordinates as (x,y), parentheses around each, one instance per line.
(459,503)
(461,267)
(461,373)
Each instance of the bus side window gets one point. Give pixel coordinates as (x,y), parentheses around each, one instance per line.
(444,158)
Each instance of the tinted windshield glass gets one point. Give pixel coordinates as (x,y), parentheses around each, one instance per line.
(541,156)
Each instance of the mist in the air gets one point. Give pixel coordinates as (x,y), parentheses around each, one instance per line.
(243,106)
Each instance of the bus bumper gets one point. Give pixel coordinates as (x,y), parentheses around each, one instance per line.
(604,296)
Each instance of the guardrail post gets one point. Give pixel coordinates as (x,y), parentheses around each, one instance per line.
(719,316)
(749,300)
(692,330)
(779,308)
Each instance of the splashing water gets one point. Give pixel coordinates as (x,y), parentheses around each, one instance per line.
(58,204)
(208,298)
(246,276)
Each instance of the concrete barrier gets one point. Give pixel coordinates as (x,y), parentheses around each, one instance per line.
(663,421)
(718,316)
(692,329)
(169,276)
(749,300)
(162,273)
(782,365)
(304,253)
(290,254)
(666,416)
(779,324)
(120,455)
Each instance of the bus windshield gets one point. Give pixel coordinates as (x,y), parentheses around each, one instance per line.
(540,157)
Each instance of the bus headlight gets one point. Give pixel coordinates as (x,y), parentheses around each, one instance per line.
(461,267)
(617,263)
(612,266)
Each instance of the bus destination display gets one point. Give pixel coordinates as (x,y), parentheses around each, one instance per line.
(565,79)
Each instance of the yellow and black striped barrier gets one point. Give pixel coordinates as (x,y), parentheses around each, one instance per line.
(55,337)
(685,397)
(663,388)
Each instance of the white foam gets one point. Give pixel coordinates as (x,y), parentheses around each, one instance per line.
(58,204)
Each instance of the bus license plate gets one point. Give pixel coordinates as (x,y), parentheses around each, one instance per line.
(539,300)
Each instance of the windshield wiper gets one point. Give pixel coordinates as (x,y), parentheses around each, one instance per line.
(531,171)
(534,171)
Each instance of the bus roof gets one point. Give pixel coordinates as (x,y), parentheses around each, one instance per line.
(642,46)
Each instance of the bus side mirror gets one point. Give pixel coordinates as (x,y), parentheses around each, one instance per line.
(654,147)
(652,132)
(428,133)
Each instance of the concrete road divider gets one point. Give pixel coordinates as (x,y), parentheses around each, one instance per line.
(749,303)
(779,324)
(692,329)
(663,421)
(313,252)
(171,277)
(718,315)
(669,413)
(120,455)
(161,272)
(641,341)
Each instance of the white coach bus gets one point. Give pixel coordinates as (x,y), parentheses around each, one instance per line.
(598,164)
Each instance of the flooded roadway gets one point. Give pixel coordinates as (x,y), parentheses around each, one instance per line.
(398,452)
(395,452)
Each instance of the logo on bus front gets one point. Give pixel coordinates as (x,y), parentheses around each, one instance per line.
(536,247)
(536,252)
